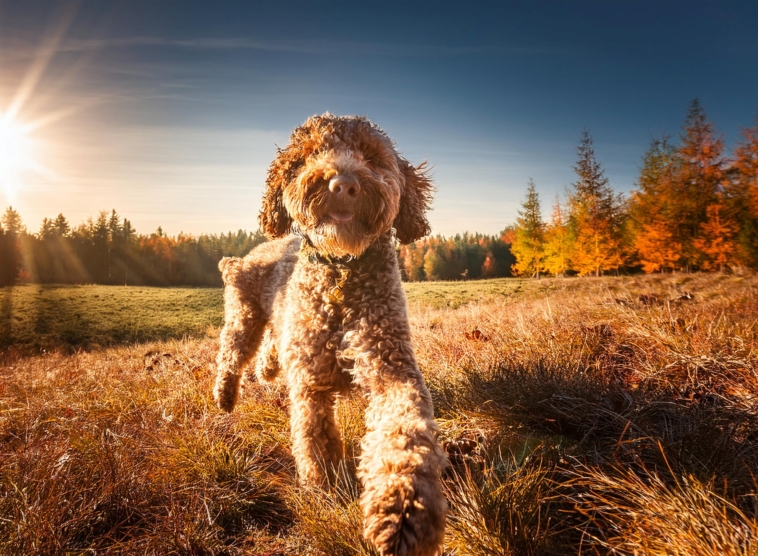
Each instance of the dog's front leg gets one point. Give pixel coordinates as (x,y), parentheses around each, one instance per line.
(401,461)
(243,329)
(316,441)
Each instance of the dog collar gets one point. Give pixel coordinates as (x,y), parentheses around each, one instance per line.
(309,253)
(345,266)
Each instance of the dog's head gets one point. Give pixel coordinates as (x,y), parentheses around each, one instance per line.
(342,183)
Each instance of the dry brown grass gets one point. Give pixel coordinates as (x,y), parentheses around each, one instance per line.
(592,416)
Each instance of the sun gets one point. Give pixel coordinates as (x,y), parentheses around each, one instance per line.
(15,154)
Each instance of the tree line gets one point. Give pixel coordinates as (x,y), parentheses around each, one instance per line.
(692,208)
(462,257)
(108,250)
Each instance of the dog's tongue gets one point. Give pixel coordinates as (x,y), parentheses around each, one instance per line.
(339,216)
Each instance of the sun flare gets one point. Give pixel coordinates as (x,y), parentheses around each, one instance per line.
(15,154)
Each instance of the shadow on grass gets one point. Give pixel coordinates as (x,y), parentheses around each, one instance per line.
(583,429)
(66,318)
(6,318)
(672,425)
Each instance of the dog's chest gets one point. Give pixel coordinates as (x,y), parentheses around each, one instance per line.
(326,304)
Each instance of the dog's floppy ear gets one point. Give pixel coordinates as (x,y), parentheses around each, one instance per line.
(411,223)
(274,219)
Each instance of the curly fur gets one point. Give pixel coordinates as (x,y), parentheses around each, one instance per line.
(327,311)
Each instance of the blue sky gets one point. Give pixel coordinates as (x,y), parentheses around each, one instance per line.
(170,111)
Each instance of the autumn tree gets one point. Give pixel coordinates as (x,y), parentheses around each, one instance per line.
(489,266)
(653,209)
(528,244)
(558,242)
(595,215)
(699,181)
(434,264)
(412,262)
(741,195)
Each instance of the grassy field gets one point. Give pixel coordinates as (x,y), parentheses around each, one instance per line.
(45,317)
(36,318)
(581,416)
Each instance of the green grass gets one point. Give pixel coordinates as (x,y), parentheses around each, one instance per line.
(33,318)
(42,317)
(457,294)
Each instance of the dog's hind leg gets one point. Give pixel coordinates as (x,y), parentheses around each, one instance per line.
(267,366)
(244,322)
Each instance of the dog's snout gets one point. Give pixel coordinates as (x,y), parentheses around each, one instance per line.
(344,186)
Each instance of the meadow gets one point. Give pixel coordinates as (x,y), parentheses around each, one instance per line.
(43,317)
(611,415)
(36,318)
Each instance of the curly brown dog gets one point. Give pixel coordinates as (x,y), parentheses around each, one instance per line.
(326,306)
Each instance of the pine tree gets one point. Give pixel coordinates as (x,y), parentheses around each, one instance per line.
(741,196)
(14,229)
(12,222)
(47,229)
(99,260)
(128,232)
(114,226)
(60,224)
(558,242)
(595,215)
(529,242)
(700,179)
(653,209)
(8,260)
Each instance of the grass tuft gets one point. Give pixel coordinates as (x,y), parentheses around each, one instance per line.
(635,514)
(500,508)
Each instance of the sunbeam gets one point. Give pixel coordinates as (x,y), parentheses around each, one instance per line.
(15,154)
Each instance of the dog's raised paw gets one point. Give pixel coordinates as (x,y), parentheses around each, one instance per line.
(404,516)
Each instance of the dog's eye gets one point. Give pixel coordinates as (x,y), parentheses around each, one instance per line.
(316,182)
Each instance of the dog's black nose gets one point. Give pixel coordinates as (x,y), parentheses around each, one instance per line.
(344,186)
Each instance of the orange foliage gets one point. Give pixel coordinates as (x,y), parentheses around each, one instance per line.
(159,245)
(746,163)
(656,246)
(717,241)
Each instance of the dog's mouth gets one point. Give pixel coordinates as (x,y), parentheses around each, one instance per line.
(340,216)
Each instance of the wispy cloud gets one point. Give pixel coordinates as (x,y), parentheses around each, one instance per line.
(295,46)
